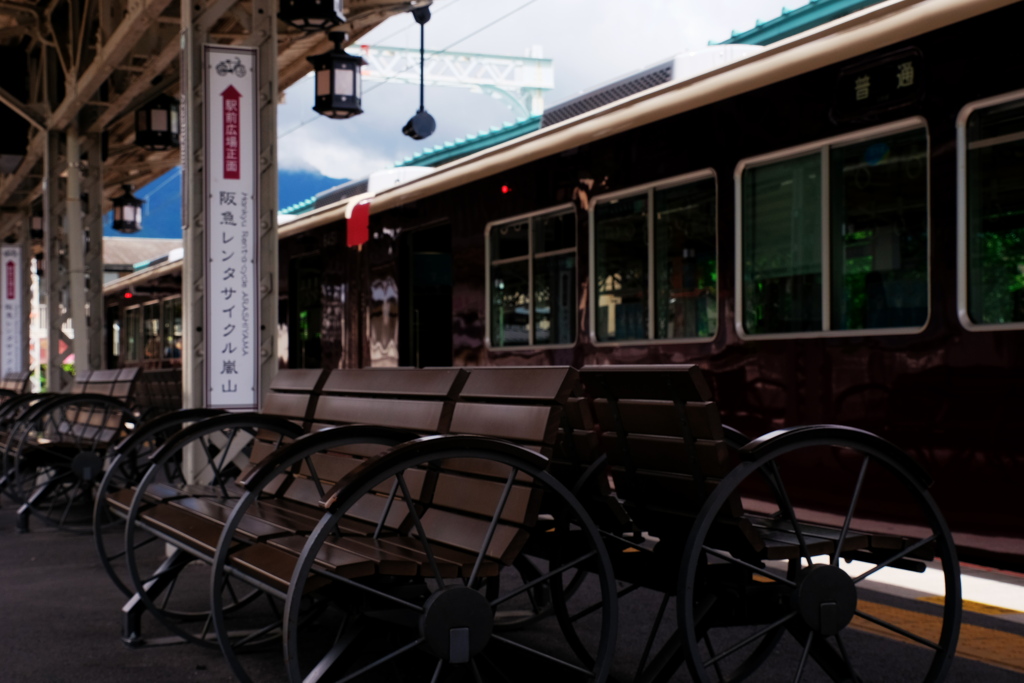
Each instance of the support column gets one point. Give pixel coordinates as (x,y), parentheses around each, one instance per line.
(93,186)
(76,250)
(194,34)
(56,271)
(262,22)
(264,35)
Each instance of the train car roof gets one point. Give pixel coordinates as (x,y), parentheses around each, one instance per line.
(864,31)
(861,32)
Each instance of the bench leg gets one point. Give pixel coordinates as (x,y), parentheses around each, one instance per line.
(133,610)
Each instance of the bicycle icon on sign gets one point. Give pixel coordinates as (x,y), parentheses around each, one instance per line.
(229,66)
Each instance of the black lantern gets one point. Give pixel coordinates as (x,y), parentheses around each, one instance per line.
(156,124)
(339,86)
(127,212)
(310,15)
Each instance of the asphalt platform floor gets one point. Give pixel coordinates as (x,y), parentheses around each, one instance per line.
(60,622)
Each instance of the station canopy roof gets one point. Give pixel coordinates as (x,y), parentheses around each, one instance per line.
(98,61)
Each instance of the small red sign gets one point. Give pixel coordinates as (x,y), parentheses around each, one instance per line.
(232,134)
(358,228)
(10,279)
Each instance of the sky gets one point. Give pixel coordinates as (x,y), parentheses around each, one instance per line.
(591,42)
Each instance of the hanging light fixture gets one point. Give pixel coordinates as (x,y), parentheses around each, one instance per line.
(339,88)
(311,15)
(422,124)
(127,212)
(157,125)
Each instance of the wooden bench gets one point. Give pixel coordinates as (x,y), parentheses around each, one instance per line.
(55,447)
(460,509)
(403,404)
(739,539)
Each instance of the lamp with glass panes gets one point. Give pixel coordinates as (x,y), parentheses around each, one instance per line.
(339,86)
(127,212)
(157,126)
(311,15)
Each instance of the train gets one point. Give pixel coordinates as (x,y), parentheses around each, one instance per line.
(832,228)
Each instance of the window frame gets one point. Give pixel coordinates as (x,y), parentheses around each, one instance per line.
(568,207)
(650,189)
(823,147)
(962,275)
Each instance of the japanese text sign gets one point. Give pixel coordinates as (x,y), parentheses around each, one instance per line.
(232,216)
(11,312)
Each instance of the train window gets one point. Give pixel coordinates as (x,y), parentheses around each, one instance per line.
(879,233)
(782,246)
(172,328)
(532,280)
(685,261)
(621,247)
(835,237)
(992,203)
(655,262)
(133,333)
(151,348)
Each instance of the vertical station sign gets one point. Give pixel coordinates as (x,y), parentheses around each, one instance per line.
(232,219)
(11,311)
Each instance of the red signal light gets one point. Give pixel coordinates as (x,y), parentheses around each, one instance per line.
(505,189)
(128,295)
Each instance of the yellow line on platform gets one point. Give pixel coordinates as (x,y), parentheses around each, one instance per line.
(981,644)
(971,606)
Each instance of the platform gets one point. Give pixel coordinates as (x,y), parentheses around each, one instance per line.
(60,623)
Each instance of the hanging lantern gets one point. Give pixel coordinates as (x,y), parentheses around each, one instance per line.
(127,212)
(156,124)
(339,87)
(311,15)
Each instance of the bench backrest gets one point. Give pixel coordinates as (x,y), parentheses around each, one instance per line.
(663,436)
(17,382)
(458,497)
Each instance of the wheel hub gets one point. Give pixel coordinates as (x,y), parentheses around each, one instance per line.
(826,598)
(87,466)
(457,622)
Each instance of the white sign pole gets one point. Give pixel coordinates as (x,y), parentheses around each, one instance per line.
(231,329)
(12,311)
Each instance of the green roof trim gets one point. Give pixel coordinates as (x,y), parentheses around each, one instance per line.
(299,207)
(794,21)
(474,142)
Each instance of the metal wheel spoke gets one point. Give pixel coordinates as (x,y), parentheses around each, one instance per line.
(315,477)
(543,578)
(542,655)
(898,556)
(383,660)
(499,508)
(849,514)
(787,507)
(427,548)
(373,591)
(757,570)
(387,509)
(654,632)
(896,629)
(803,658)
(711,651)
(437,671)
(747,641)
(846,657)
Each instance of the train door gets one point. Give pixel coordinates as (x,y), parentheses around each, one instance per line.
(305,315)
(425,303)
